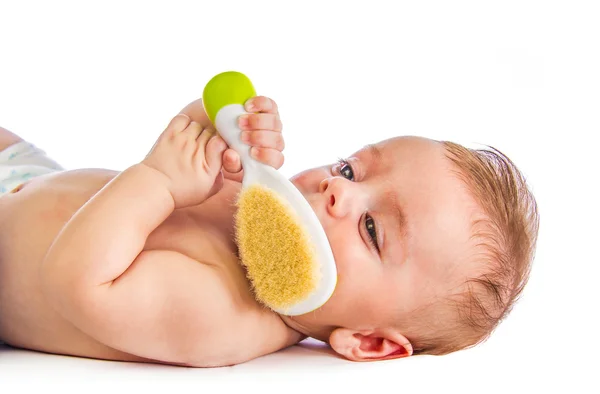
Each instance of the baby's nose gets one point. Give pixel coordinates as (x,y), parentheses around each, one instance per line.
(323,185)
(332,190)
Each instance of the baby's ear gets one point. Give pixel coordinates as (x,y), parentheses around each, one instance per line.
(370,345)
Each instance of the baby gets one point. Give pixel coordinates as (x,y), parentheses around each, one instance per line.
(433,243)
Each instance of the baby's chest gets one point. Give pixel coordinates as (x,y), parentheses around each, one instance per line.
(200,240)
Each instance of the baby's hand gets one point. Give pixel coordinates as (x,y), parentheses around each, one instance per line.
(190,157)
(262,128)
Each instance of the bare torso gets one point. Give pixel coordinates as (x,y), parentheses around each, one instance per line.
(31,218)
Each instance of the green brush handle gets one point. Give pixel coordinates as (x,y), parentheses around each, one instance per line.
(223,99)
(230,87)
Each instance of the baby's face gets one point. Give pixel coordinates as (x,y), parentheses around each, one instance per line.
(404,197)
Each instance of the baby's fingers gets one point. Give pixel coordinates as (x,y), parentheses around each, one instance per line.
(268,156)
(264,139)
(231,161)
(261,104)
(214,151)
(260,122)
(203,137)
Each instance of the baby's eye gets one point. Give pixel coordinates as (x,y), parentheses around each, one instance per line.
(345,169)
(370,224)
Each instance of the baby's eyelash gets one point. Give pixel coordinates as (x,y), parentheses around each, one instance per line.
(372,238)
(341,161)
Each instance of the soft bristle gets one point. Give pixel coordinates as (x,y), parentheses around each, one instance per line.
(275,248)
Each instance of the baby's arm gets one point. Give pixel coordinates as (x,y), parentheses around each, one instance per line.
(96,277)
(106,235)
(155,304)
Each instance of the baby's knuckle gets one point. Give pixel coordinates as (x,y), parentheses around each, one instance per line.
(280,143)
(273,105)
(259,138)
(252,121)
(256,122)
(262,155)
(179,123)
(182,119)
(267,103)
(193,126)
(251,138)
(260,101)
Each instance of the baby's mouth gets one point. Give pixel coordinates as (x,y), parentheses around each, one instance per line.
(315,203)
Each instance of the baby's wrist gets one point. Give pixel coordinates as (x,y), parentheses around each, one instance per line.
(147,173)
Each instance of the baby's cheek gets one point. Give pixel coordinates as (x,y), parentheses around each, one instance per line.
(312,174)
(301,181)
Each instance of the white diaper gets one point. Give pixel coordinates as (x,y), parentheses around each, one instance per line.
(22,161)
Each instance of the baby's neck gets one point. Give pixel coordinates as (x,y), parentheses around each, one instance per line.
(319,333)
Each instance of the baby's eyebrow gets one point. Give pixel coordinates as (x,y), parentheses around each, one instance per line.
(374,151)
(399,215)
(390,194)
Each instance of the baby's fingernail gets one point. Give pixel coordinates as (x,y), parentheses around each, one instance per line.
(245,136)
(250,106)
(243,121)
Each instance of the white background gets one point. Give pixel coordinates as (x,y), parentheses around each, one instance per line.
(94,83)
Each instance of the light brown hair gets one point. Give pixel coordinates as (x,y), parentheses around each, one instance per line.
(506,241)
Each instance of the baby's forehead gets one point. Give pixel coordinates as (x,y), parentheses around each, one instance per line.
(410,142)
(403,147)
(419,155)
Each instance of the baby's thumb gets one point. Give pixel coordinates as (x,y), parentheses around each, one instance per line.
(214,152)
(231,161)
